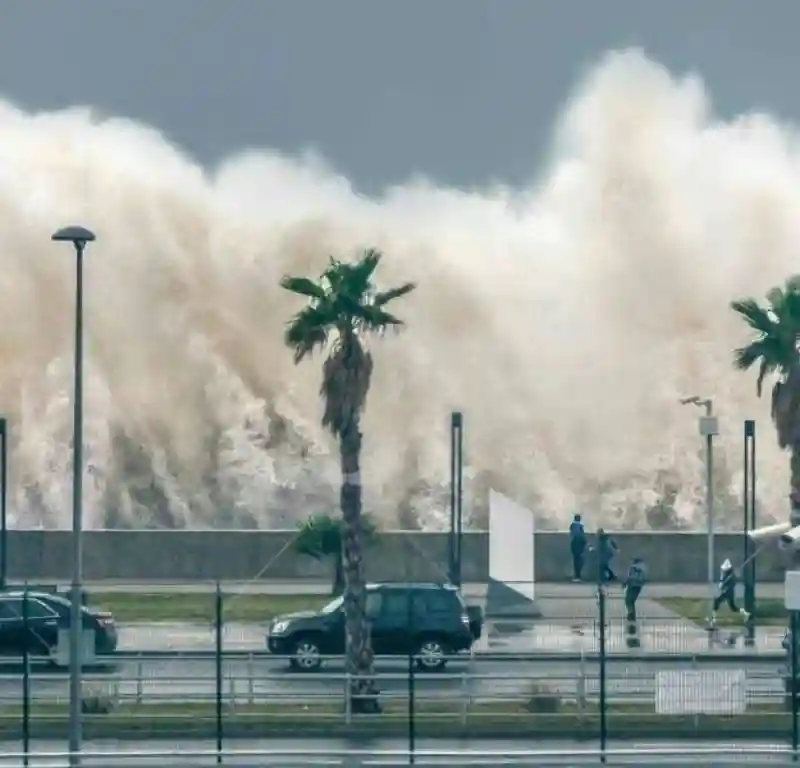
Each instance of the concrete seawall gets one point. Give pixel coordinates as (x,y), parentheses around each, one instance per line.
(243,555)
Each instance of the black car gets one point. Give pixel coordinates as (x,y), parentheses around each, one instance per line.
(46,614)
(430,620)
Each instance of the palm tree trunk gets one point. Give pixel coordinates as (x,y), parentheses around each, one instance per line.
(338,574)
(794,496)
(359,648)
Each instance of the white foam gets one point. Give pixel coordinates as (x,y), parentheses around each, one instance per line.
(565,319)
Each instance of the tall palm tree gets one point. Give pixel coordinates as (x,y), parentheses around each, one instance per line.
(343,307)
(775,350)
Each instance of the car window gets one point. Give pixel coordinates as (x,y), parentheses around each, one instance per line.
(35,608)
(438,601)
(395,603)
(38,610)
(374,604)
(6,611)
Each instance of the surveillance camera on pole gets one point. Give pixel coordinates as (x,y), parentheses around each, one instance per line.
(791,539)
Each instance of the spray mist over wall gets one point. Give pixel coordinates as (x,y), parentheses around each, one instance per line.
(565,319)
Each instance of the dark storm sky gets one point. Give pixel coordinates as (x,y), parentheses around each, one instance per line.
(460,90)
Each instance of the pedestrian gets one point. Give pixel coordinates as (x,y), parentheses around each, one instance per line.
(577,546)
(606,550)
(726,593)
(637,577)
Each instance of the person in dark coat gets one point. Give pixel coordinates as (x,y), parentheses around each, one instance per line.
(577,546)
(637,577)
(606,550)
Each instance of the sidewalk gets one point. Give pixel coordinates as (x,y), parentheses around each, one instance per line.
(569,623)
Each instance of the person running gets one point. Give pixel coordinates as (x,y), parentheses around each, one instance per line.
(577,546)
(637,577)
(726,593)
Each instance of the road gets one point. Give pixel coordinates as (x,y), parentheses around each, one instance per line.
(195,679)
(345,753)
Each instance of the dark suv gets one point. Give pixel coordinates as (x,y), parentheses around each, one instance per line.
(46,614)
(430,620)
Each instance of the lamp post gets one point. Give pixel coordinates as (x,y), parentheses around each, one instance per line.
(709,427)
(79,237)
(3,508)
(456,496)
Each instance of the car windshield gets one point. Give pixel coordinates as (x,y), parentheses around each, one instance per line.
(333,605)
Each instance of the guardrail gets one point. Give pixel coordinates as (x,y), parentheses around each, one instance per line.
(250,684)
(649,755)
(750,659)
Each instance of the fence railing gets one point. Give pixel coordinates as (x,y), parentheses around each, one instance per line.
(571,688)
(711,757)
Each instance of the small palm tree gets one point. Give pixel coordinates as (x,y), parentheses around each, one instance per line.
(321,537)
(343,307)
(775,350)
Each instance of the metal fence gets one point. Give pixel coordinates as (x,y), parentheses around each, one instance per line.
(216,681)
(477,689)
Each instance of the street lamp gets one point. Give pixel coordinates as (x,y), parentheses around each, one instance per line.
(79,237)
(456,496)
(709,427)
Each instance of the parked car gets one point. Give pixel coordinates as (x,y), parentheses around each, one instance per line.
(430,620)
(46,614)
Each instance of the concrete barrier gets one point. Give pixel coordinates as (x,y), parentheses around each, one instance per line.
(243,555)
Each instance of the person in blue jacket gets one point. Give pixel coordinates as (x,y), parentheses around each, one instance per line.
(577,546)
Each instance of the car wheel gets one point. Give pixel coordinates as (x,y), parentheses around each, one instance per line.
(306,656)
(431,655)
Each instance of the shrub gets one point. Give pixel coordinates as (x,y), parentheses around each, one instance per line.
(99,698)
(541,700)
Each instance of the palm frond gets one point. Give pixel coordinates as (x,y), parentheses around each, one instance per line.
(754,315)
(307,330)
(763,371)
(365,267)
(320,536)
(303,286)
(377,320)
(745,357)
(384,297)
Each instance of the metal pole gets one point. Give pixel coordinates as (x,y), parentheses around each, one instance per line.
(793,686)
(412,725)
(26,680)
(710,506)
(218,623)
(601,596)
(459,496)
(753,523)
(451,539)
(76,623)
(749,525)
(3,501)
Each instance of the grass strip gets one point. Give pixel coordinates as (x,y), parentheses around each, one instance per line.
(522,706)
(257,722)
(770,612)
(200,608)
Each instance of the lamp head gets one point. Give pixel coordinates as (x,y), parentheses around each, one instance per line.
(73,234)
